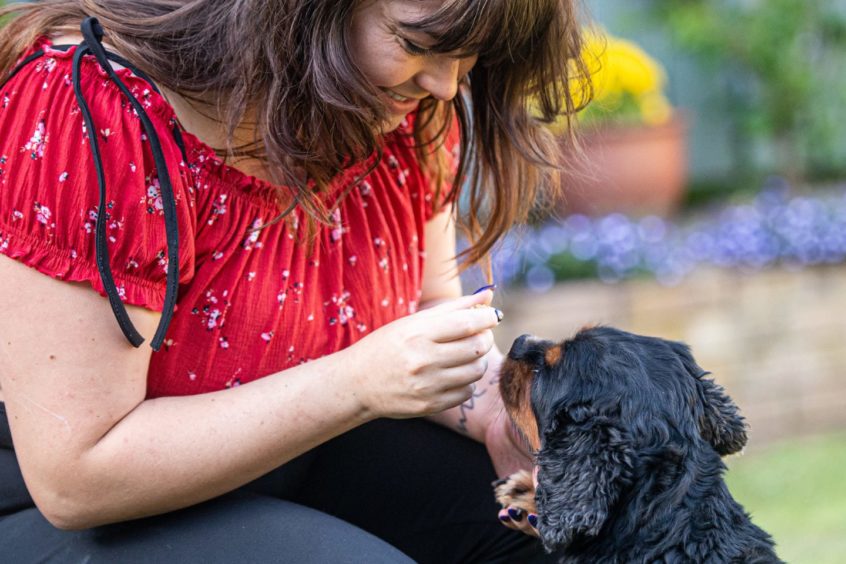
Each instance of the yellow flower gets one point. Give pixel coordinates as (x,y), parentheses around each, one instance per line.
(624,79)
(655,108)
(635,71)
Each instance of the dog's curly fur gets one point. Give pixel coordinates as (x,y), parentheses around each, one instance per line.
(629,435)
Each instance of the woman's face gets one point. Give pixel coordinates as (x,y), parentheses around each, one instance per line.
(395,59)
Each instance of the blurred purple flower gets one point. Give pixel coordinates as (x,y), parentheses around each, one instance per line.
(773,228)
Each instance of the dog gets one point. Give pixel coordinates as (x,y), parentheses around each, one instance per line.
(628,436)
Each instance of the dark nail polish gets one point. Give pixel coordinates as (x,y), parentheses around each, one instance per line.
(516,514)
(505,518)
(533,520)
(483,288)
(499,315)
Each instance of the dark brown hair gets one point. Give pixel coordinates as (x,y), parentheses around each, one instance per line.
(291,59)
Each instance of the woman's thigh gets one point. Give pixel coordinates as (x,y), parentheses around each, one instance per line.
(421,487)
(238,527)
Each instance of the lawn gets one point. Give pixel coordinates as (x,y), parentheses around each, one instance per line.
(797,492)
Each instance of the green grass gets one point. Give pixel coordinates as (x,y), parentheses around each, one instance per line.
(796,491)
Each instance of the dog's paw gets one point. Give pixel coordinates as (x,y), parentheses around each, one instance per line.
(516,490)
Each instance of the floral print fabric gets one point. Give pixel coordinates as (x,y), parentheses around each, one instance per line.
(252,301)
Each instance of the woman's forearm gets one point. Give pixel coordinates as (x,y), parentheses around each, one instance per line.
(473,417)
(169,453)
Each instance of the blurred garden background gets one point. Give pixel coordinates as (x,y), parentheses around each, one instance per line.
(710,208)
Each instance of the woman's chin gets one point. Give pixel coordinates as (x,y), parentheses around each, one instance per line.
(392,123)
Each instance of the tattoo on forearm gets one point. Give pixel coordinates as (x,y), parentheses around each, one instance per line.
(467,406)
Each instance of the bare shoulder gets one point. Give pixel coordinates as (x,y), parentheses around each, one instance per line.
(75,39)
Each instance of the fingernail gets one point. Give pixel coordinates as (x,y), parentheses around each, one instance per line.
(516,514)
(491,287)
(504,518)
(499,315)
(533,520)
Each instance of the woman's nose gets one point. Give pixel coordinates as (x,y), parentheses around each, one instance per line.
(440,77)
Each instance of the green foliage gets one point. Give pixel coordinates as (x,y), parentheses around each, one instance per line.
(782,54)
(566,267)
(796,492)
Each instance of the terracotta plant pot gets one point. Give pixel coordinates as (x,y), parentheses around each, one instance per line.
(638,170)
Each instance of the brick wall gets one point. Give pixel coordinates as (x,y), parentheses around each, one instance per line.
(775,339)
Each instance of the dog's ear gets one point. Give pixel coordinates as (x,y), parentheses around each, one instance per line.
(721,423)
(584,463)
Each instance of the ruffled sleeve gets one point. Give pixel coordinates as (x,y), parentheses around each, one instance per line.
(48,183)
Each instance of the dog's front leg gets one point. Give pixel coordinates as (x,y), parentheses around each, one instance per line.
(517,493)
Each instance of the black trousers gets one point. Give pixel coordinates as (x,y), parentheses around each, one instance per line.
(389,491)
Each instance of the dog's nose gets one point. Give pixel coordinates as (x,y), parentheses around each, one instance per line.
(519,347)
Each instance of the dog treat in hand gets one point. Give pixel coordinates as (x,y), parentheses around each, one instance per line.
(491,287)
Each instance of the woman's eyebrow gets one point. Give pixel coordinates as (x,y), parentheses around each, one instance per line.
(413,26)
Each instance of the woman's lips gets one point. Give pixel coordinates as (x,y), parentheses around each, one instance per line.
(400,107)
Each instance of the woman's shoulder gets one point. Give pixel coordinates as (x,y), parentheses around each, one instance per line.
(50,199)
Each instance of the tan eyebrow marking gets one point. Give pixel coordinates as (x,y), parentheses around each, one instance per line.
(553,355)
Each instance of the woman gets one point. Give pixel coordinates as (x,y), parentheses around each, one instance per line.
(273,197)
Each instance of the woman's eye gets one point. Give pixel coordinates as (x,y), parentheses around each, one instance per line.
(413,48)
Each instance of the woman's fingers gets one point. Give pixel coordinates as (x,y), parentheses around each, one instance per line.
(457,396)
(464,375)
(459,318)
(466,351)
(457,325)
(464,302)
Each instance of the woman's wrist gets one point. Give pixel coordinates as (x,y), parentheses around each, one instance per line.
(494,406)
(474,417)
(346,383)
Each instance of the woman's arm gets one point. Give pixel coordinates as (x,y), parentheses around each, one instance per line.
(441,282)
(482,417)
(92,450)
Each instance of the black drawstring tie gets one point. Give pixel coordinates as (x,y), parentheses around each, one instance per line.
(93,34)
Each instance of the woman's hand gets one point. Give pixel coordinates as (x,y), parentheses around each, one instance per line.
(426,362)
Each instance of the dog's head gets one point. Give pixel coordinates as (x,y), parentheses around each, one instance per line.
(597,408)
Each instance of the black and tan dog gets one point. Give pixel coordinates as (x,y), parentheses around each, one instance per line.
(628,434)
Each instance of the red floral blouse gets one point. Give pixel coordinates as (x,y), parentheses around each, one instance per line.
(251,303)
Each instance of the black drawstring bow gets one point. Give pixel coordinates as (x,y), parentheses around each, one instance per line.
(93,36)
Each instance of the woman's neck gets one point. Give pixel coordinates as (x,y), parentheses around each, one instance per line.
(201,119)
